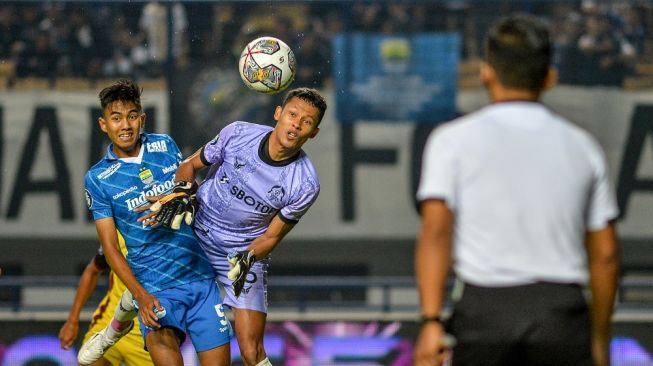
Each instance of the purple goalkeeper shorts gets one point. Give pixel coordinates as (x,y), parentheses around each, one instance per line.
(255,292)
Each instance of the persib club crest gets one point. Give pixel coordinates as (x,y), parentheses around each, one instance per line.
(146,176)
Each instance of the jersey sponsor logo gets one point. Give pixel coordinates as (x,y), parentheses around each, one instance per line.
(146,176)
(128,190)
(89,198)
(170,168)
(215,140)
(157,146)
(238,164)
(276,193)
(224,179)
(109,171)
(250,201)
(250,279)
(156,190)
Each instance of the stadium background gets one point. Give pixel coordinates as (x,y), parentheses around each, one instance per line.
(391,71)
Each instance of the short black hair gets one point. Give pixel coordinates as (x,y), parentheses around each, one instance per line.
(124,90)
(518,47)
(309,95)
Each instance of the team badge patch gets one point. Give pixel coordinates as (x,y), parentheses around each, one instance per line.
(89,198)
(146,176)
(276,193)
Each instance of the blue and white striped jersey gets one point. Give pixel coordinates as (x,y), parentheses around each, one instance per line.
(159,257)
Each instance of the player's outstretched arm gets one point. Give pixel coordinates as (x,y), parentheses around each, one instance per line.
(173,208)
(261,247)
(187,170)
(87,284)
(181,205)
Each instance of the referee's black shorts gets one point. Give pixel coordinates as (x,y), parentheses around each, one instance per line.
(537,324)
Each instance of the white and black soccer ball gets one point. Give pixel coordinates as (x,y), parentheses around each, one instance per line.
(267,65)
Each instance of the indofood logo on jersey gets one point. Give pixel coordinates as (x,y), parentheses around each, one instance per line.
(156,190)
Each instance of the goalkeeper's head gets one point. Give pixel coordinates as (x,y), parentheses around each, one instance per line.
(310,96)
(518,54)
(122,117)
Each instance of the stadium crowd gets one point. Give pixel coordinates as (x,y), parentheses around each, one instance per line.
(597,43)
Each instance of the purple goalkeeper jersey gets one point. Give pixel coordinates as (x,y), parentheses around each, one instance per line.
(244,188)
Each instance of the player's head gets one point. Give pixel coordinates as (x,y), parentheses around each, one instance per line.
(518,48)
(298,118)
(122,117)
(311,96)
(122,90)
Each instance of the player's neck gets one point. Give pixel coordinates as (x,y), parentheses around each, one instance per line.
(121,154)
(500,93)
(277,152)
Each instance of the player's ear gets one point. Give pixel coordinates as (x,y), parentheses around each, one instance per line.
(277,113)
(487,73)
(143,118)
(314,133)
(103,124)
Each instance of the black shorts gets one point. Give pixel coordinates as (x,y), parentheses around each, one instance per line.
(538,324)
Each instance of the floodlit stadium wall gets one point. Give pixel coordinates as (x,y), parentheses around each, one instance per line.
(49,139)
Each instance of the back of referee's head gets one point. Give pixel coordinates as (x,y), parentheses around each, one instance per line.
(519,49)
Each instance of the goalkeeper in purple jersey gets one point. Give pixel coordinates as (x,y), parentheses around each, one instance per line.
(259,185)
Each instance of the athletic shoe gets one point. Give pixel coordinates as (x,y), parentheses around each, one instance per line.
(99,343)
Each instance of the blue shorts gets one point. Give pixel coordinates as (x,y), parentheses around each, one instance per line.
(195,309)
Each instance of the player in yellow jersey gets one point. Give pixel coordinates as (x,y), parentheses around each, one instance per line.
(130,349)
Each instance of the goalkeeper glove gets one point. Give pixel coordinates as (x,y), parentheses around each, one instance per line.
(179,205)
(240,263)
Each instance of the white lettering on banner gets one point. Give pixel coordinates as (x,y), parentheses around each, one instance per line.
(383,194)
(42,198)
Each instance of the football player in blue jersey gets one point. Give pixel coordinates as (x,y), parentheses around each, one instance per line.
(166,270)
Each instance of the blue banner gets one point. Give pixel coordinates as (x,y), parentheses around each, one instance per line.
(389,78)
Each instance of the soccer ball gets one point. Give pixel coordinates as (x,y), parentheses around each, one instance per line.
(267,65)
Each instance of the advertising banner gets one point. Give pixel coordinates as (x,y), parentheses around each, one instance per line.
(304,343)
(389,78)
(48,140)
(368,171)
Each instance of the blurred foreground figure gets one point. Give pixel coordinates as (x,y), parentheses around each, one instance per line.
(518,201)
